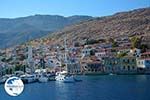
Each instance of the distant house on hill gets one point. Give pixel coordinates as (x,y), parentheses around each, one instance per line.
(86,52)
(101,53)
(146,41)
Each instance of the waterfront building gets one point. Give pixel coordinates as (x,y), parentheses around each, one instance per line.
(72,61)
(143,63)
(128,65)
(92,65)
(95,67)
(123,65)
(111,64)
(73,67)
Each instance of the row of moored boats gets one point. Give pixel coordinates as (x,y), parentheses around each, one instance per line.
(62,76)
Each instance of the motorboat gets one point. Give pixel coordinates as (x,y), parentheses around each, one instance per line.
(63,77)
(41,75)
(60,76)
(28,78)
(43,79)
(69,79)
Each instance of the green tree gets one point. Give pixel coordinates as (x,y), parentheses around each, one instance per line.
(143,47)
(3,59)
(114,44)
(91,41)
(18,67)
(7,71)
(120,55)
(136,42)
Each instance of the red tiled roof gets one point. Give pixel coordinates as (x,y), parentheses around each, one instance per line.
(145,59)
(145,53)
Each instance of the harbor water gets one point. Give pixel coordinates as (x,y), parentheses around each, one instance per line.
(104,87)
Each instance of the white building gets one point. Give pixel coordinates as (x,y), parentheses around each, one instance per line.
(136,52)
(53,62)
(144,64)
(102,53)
(86,52)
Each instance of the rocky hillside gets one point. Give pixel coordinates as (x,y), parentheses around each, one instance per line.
(19,30)
(136,22)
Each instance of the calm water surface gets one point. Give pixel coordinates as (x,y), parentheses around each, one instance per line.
(123,87)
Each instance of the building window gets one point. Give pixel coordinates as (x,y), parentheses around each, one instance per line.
(142,62)
(124,67)
(128,67)
(128,60)
(133,60)
(139,62)
(133,67)
(123,60)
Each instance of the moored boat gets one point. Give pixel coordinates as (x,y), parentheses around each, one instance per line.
(28,78)
(64,77)
(43,79)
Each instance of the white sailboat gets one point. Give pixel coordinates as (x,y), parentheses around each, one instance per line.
(29,78)
(63,76)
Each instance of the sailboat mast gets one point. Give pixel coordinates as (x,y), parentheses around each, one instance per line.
(65,50)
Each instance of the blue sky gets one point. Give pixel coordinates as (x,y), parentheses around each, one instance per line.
(20,8)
